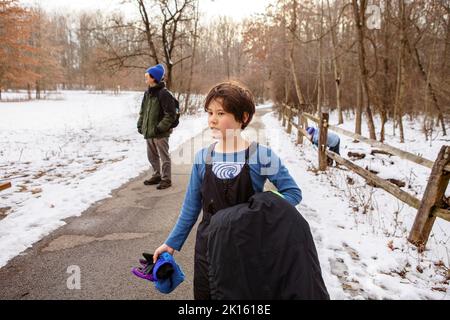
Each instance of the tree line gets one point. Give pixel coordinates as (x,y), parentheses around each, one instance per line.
(374,58)
(380,58)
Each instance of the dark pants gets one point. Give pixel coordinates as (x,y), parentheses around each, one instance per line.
(157,152)
(335,149)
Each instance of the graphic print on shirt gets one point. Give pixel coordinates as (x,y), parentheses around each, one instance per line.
(227,170)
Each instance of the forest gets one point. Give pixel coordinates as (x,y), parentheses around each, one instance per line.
(386,59)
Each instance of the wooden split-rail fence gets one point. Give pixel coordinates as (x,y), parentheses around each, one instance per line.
(430,207)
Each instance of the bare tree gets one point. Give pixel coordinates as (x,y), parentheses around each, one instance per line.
(414,51)
(320,82)
(359,106)
(15,49)
(336,63)
(226,33)
(293,31)
(386,84)
(194,51)
(360,21)
(401,72)
(160,36)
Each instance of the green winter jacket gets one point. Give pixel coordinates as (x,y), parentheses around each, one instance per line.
(157,113)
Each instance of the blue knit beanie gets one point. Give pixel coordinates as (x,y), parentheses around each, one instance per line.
(157,72)
(310,130)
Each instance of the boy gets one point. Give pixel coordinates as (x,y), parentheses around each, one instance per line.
(158,112)
(225,174)
(333,141)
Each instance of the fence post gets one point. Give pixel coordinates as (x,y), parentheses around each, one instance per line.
(322,143)
(284,115)
(299,125)
(280,111)
(432,198)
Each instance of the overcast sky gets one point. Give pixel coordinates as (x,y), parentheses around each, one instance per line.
(237,9)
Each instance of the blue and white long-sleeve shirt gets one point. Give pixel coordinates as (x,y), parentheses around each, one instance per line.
(264,164)
(332,139)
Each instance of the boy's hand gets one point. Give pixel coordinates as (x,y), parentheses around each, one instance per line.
(161,249)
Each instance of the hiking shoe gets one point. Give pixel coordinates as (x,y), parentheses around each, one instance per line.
(164,184)
(330,162)
(152,180)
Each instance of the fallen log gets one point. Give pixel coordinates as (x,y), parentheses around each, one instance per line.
(376,151)
(356,155)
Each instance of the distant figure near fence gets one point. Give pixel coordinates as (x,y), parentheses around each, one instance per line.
(333,140)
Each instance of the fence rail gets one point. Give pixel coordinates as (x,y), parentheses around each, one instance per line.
(5,185)
(431,204)
(395,151)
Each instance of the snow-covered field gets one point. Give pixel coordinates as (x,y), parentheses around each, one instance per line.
(63,155)
(360,231)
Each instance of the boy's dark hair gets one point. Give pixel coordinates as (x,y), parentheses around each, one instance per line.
(235,98)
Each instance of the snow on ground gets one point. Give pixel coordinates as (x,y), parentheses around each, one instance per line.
(360,231)
(22,95)
(64,155)
(265,105)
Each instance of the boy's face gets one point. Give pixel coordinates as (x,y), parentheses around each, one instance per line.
(222,124)
(149,80)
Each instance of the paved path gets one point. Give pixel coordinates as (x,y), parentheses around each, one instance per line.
(105,243)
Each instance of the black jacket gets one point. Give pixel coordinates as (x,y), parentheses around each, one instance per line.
(263,249)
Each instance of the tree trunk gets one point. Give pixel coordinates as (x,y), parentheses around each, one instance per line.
(228,63)
(194,49)
(383,123)
(319,78)
(359,13)
(430,89)
(286,80)
(446,55)
(401,94)
(401,70)
(385,101)
(336,66)
(298,89)
(38,90)
(394,118)
(148,33)
(168,77)
(287,88)
(293,29)
(359,108)
(337,81)
(427,126)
